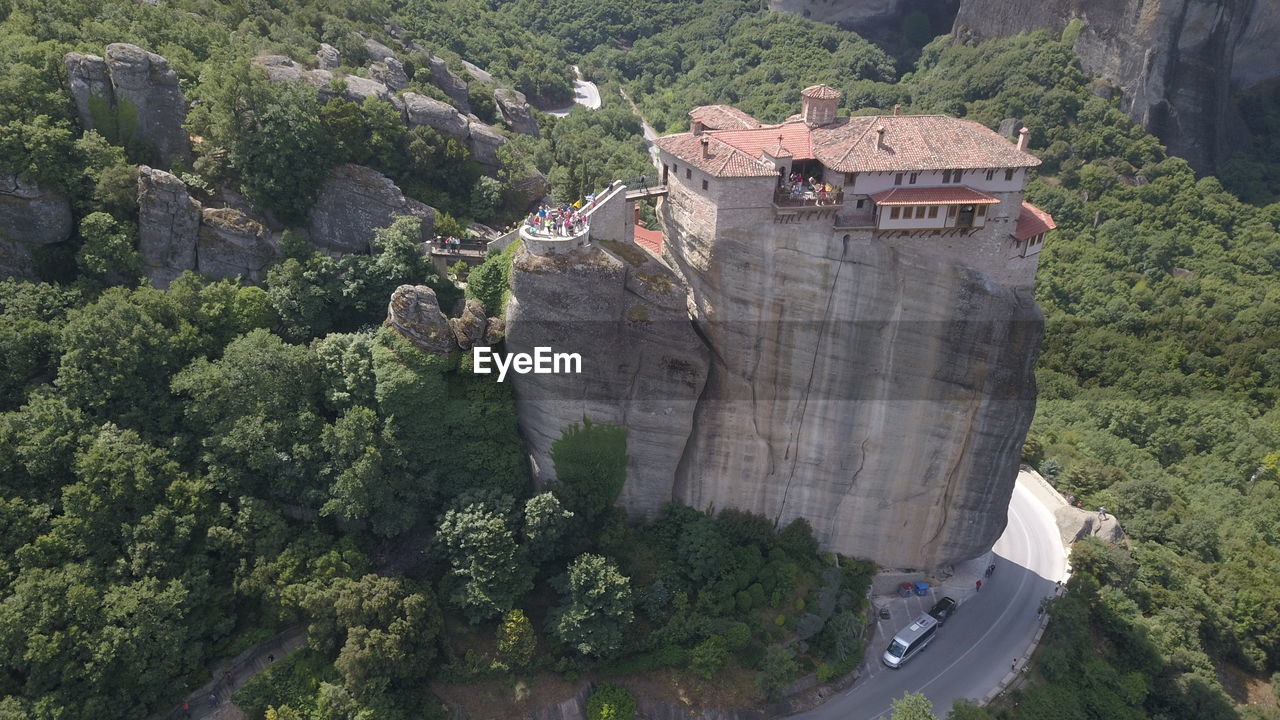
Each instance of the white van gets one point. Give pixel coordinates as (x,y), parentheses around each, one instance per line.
(910,641)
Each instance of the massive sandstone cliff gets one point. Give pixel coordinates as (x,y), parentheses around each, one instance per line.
(878,392)
(1176,60)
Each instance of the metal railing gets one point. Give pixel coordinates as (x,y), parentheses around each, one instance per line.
(782,198)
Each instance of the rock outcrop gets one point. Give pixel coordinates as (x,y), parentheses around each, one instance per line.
(469,329)
(175,234)
(643,365)
(1076,524)
(131,95)
(415,314)
(879,391)
(354,201)
(422,110)
(328,57)
(452,85)
(515,111)
(1170,57)
(390,72)
(168,226)
(484,142)
(231,244)
(30,216)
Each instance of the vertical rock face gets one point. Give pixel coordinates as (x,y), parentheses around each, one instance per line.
(1171,57)
(881,395)
(328,57)
(168,226)
(452,85)
(29,216)
(356,200)
(643,365)
(136,93)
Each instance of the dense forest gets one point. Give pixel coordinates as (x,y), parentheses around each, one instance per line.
(185,473)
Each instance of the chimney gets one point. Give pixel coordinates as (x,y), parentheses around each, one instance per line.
(880,137)
(1022,139)
(706,151)
(697,127)
(897,110)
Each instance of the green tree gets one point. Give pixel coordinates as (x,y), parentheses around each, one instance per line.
(516,639)
(591,466)
(107,253)
(778,669)
(610,702)
(546,523)
(596,608)
(709,657)
(913,706)
(482,549)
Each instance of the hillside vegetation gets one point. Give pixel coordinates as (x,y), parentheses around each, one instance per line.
(184,473)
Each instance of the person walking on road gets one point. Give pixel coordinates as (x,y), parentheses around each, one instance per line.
(978,585)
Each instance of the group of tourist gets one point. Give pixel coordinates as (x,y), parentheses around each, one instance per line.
(448,244)
(800,188)
(563,221)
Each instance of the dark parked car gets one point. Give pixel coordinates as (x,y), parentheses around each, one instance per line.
(943,609)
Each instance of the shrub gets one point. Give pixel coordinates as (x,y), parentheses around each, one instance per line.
(709,656)
(610,702)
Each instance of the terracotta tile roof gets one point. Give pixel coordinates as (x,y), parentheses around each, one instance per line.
(650,240)
(1032,221)
(721,160)
(914,142)
(821,92)
(723,117)
(956,195)
(911,142)
(795,137)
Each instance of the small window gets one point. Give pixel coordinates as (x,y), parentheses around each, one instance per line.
(893,213)
(946,176)
(850,179)
(897,179)
(675,167)
(982,211)
(991,174)
(860,203)
(920,212)
(704,184)
(913,178)
(951,211)
(688,173)
(956,175)
(933,211)
(1008,174)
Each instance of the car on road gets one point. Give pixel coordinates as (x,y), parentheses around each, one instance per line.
(909,641)
(943,609)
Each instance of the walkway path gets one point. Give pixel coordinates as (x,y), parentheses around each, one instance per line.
(585,94)
(229,677)
(650,135)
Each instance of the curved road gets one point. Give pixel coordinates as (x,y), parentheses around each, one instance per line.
(990,630)
(585,94)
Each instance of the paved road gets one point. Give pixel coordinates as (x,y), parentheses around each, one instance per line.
(585,94)
(992,628)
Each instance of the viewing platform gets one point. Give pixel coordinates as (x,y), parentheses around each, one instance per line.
(541,242)
(784,199)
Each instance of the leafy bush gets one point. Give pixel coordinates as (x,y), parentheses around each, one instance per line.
(610,702)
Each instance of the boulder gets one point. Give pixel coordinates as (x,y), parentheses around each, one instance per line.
(168,226)
(358,89)
(32,215)
(415,314)
(469,328)
(452,85)
(353,202)
(328,57)
(233,244)
(476,73)
(515,111)
(422,110)
(484,142)
(495,331)
(525,192)
(280,67)
(1076,524)
(390,72)
(1009,127)
(131,95)
(377,51)
(15,260)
